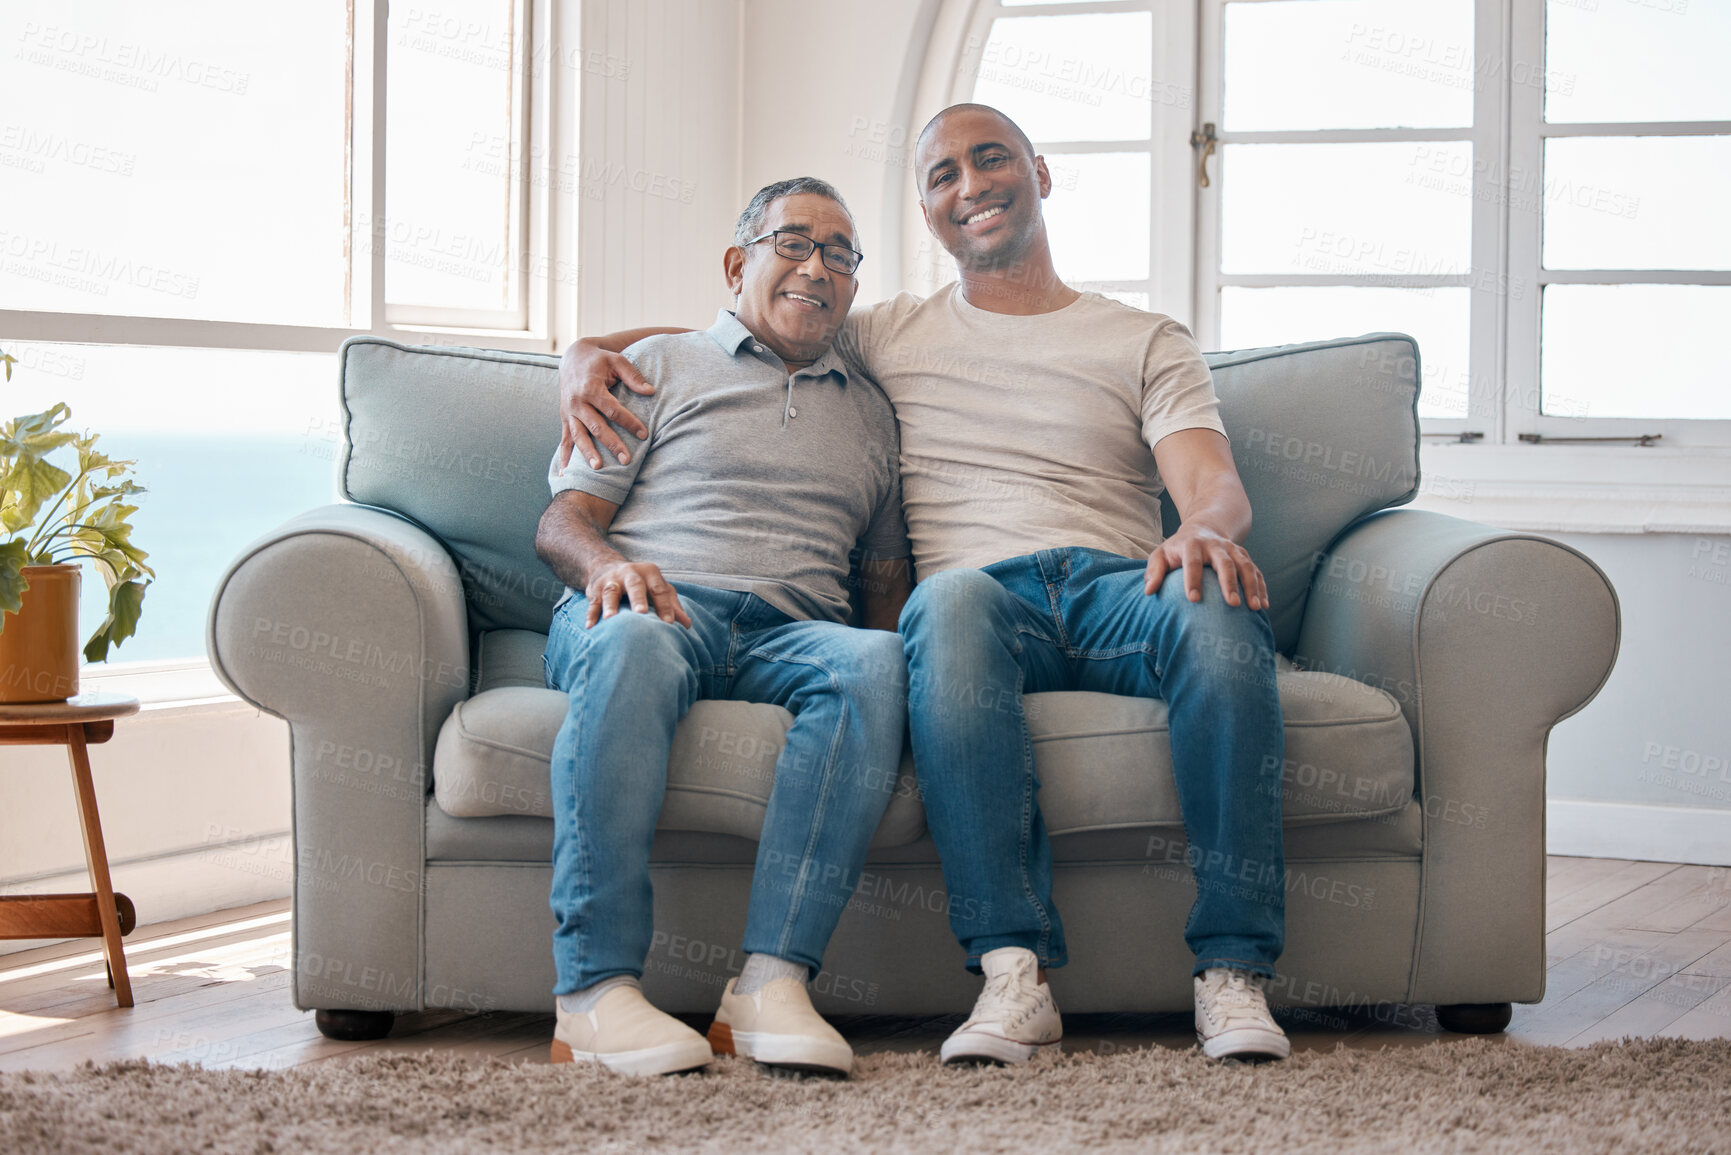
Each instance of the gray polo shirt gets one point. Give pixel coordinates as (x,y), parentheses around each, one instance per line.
(752,479)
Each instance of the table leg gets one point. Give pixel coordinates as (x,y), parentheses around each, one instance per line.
(96,856)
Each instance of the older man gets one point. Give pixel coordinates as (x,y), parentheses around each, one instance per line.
(1039,426)
(713,564)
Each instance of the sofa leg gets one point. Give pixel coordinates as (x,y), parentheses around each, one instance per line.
(354,1026)
(1475,1018)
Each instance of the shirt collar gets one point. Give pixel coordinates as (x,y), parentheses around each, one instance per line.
(730,333)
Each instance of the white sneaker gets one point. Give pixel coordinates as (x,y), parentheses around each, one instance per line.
(1015,1017)
(777,1026)
(625,1033)
(1232,1019)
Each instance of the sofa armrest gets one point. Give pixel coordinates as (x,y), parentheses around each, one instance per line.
(349,623)
(1487,639)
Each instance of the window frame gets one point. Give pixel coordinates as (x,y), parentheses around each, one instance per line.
(544,225)
(1528,132)
(1507,136)
(1172,232)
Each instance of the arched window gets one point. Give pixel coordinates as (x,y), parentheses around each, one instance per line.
(1104,89)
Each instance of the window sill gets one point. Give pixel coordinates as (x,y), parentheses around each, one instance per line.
(1579,489)
(172,688)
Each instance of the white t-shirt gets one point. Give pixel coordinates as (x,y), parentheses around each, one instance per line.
(1022,433)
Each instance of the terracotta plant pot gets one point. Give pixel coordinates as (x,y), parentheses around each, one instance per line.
(39,655)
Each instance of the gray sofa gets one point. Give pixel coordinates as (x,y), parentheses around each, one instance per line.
(1425,660)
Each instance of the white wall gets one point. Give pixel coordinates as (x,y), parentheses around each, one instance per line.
(659,154)
(846,123)
(1645,770)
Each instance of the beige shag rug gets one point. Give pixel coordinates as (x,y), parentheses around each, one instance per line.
(1649,1095)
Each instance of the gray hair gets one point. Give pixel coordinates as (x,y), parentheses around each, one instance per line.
(751,220)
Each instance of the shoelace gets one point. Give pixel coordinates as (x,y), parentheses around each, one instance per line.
(1007,997)
(1236,998)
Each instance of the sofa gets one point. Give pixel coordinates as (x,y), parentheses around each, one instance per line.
(1423,661)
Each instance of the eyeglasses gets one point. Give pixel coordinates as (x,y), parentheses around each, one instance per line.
(797,247)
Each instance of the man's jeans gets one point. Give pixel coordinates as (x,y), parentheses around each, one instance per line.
(1077,619)
(630,680)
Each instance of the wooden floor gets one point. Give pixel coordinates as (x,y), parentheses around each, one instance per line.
(1634,948)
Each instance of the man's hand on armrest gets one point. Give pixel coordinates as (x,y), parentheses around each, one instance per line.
(587,372)
(572,540)
(887,586)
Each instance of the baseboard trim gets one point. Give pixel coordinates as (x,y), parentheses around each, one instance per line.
(1688,834)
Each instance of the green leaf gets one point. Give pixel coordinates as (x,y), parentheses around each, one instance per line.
(8,360)
(12,583)
(28,485)
(36,433)
(125,604)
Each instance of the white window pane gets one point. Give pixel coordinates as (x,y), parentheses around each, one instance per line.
(1097,216)
(174,160)
(1378,209)
(229,443)
(1637,202)
(450,155)
(1306,64)
(1635,351)
(1072,77)
(1436,318)
(1637,60)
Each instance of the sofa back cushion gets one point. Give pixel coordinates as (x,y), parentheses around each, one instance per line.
(458,440)
(1323,434)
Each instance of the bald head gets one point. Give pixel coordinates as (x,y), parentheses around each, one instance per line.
(1012,131)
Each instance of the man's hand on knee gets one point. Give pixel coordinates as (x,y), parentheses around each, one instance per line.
(637,583)
(1195,547)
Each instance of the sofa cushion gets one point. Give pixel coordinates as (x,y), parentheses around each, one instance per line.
(458,441)
(1323,434)
(1105,761)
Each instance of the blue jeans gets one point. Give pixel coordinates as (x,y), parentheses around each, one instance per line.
(630,680)
(1077,619)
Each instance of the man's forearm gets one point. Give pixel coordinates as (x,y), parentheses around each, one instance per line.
(1224,508)
(572,545)
(623,339)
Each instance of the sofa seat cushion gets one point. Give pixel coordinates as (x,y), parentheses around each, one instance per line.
(494,751)
(1105,761)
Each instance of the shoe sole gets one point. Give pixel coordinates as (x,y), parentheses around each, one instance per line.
(979,1047)
(1245,1043)
(667,1059)
(795,1052)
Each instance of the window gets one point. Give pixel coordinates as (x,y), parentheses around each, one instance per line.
(1104,91)
(1529,187)
(203,200)
(1621,222)
(1526,186)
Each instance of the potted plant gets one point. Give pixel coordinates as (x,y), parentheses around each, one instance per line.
(50,519)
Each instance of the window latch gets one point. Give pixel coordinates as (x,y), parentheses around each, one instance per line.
(1640,439)
(1205,141)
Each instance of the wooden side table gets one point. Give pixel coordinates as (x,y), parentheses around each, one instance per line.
(75,723)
